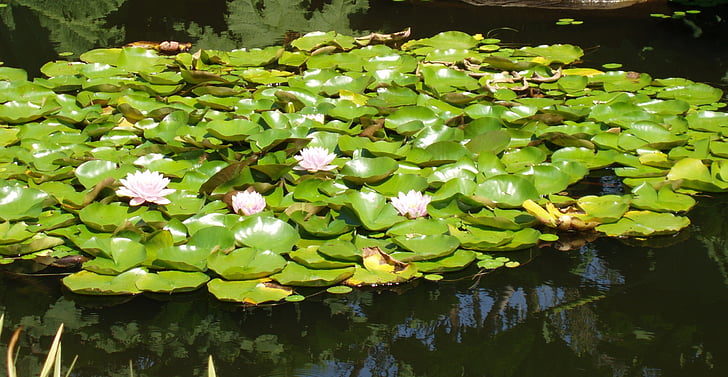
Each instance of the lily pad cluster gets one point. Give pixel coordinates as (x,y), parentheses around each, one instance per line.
(494,137)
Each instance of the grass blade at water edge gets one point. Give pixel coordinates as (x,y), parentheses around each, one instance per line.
(210,367)
(70,367)
(9,355)
(53,354)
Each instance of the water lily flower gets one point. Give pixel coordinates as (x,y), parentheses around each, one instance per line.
(315,159)
(144,187)
(249,202)
(413,204)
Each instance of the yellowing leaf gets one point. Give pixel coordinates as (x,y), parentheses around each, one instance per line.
(581,72)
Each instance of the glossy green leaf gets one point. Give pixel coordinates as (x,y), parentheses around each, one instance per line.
(368,170)
(424,247)
(18,202)
(171,281)
(245,263)
(454,262)
(647,198)
(266,233)
(90,283)
(372,210)
(124,253)
(252,292)
(298,275)
(645,223)
(507,190)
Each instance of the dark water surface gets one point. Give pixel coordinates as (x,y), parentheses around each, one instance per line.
(610,308)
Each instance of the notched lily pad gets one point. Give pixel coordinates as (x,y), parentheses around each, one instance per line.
(252,292)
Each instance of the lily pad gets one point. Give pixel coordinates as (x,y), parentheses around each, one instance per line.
(299,275)
(424,247)
(645,223)
(252,292)
(266,233)
(454,262)
(91,283)
(245,263)
(19,203)
(171,281)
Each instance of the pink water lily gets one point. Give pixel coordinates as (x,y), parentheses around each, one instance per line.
(248,202)
(315,159)
(413,204)
(147,186)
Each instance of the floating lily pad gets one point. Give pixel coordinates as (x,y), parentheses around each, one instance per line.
(266,233)
(18,203)
(424,247)
(299,275)
(171,281)
(245,263)
(507,190)
(372,210)
(91,283)
(454,262)
(252,292)
(645,223)
(119,255)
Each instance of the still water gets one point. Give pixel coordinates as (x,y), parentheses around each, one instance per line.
(608,308)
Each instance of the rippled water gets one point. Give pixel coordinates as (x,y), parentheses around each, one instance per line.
(609,308)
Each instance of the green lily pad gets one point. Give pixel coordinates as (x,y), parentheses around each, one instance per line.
(19,203)
(604,209)
(109,217)
(506,190)
(645,223)
(266,233)
(454,262)
(340,250)
(558,53)
(339,290)
(693,174)
(37,242)
(299,275)
(424,247)
(124,254)
(311,258)
(321,226)
(91,283)
(22,112)
(245,263)
(647,198)
(252,292)
(372,210)
(368,170)
(476,238)
(13,233)
(172,281)
(694,94)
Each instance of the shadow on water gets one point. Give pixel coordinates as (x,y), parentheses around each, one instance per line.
(607,309)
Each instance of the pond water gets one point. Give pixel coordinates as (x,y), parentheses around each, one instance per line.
(609,308)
